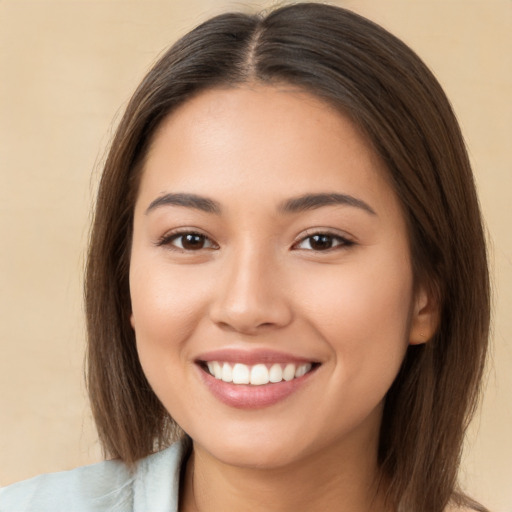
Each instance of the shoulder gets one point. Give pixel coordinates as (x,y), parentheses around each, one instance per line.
(108,485)
(85,488)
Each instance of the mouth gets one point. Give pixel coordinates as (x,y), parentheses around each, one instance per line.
(252,379)
(259,374)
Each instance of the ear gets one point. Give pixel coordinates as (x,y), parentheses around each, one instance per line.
(424,318)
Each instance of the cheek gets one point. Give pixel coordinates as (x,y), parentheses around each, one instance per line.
(362,311)
(166,308)
(377,293)
(163,300)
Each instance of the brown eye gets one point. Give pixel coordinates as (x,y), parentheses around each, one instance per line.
(188,241)
(192,242)
(323,242)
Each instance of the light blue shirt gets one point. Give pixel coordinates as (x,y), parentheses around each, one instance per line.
(107,486)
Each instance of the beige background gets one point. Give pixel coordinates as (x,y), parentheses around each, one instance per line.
(67,69)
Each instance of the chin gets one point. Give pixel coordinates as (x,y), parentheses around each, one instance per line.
(249,449)
(255,456)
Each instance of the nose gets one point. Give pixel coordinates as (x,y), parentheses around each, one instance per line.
(251,296)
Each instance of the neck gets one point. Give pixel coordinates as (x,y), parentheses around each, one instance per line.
(339,479)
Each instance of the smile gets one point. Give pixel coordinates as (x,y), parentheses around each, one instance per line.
(252,379)
(258,374)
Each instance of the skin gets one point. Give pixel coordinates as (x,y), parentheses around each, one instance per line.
(256,280)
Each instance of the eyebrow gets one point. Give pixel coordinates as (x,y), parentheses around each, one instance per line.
(293,205)
(187,200)
(313,201)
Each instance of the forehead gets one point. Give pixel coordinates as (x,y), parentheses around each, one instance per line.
(221,117)
(261,140)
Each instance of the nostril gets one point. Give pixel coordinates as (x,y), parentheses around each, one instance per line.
(225,326)
(251,321)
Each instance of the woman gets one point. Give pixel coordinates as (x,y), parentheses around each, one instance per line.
(287,276)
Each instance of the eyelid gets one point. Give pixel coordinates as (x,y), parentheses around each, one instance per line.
(347,240)
(169,236)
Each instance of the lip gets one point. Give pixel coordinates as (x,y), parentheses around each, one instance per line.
(242,396)
(251,357)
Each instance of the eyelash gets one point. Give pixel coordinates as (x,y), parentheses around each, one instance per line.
(168,239)
(342,242)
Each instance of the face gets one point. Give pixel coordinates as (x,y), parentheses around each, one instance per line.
(270,277)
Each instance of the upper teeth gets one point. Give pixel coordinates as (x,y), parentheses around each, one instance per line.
(258,374)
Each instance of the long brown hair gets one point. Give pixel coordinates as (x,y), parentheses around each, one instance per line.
(375,79)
